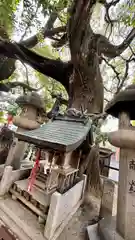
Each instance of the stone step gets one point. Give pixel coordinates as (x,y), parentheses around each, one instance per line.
(23,223)
(39,184)
(36,194)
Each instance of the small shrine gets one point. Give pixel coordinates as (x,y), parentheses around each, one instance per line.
(123,226)
(55,189)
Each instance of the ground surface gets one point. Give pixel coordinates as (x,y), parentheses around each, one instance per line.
(86,215)
(75,230)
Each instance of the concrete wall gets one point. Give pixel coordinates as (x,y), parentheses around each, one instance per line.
(62,207)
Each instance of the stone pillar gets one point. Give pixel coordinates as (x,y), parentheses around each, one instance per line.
(6,180)
(126,188)
(18,148)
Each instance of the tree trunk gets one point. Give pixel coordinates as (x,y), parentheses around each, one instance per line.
(87,90)
(86,81)
(86,85)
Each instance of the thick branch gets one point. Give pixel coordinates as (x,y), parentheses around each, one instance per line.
(78,24)
(21,84)
(53,68)
(110,50)
(6,87)
(32,41)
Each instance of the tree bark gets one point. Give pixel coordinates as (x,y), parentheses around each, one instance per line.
(86,80)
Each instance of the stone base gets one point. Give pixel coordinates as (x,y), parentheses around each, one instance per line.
(107,229)
(92,232)
(62,208)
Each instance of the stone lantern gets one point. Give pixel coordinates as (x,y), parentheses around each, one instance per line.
(123,108)
(30,118)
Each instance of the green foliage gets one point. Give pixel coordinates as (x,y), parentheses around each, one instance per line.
(13,109)
(100,137)
(56,6)
(49,85)
(7,10)
(127,10)
(46,51)
(2,118)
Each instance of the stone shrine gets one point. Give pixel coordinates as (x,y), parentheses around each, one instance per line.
(122,107)
(54,189)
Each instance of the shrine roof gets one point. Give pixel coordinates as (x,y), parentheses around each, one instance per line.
(62,134)
(124,101)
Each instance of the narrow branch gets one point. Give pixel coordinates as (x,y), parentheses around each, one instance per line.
(29,22)
(107,7)
(106,100)
(107,90)
(121,84)
(62,41)
(113,68)
(32,41)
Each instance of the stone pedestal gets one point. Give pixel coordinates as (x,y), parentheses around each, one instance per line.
(125,221)
(126,195)
(62,208)
(107,229)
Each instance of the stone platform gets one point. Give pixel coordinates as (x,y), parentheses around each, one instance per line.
(36,200)
(24,223)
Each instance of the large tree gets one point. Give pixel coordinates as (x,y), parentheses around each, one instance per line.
(81,75)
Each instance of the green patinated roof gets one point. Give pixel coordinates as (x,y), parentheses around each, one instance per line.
(62,135)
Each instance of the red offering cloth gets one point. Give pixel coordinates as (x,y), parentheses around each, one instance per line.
(9,119)
(34,171)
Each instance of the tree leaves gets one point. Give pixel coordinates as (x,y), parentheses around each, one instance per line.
(46,51)
(7,9)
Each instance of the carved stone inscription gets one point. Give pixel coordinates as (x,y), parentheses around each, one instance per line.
(132,186)
(132,182)
(132,164)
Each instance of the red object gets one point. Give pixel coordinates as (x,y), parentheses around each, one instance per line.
(9,119)
(34,171)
